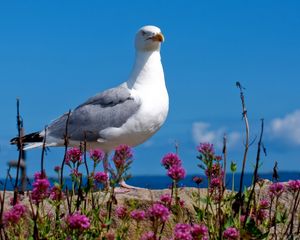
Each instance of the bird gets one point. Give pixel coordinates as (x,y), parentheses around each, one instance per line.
(129,113)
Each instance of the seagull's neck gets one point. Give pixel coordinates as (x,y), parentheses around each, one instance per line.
(147,70)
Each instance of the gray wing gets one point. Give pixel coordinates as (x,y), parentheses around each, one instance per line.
(111,108)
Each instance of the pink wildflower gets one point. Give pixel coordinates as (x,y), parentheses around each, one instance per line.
(182,232)
(122,153)
(264,203)
(56,194)
(121,212)
(166,199)
(206,149)
(75,173)
(101,177)
(197,180)
(74,155)
(176,172)
(138,215)
(276,189)
(40,189)
(159,211)
(170,159)
(231,233)
(262,214)
(215,182)
(96,155)
(13,215)
(294,185)
(57,168)
(78,221)
(199,231)
(148,236)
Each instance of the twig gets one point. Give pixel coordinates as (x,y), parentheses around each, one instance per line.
(255,174)
(43,155)
(20,147)
(224,159)
(66,143)
(244,113)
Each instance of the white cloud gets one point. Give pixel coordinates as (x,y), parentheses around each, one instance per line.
(286,129)
(202,132)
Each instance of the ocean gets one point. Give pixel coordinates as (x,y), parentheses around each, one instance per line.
(161,182)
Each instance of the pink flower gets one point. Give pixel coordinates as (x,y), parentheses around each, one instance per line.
(170,159)
(40,189)
(215,171)
(197,180)
(159,211)
(122,153)
(215,182)
(74,155)
(206,149)
(231,233)
(56,194)
(101,177)
(148,236)
(96,155)
(176,172)
(138,215)
(276,189)
(264,203)
(294,185)
(57,168)
(78,221)
(199,231)
(75,173)
(121,212)
(262,214)
(166,199)
(182,232)
(13,215)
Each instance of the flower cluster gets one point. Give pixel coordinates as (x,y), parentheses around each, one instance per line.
(172,163)
(148,236)
(294,185)
(231,233)
(101,177)
(96,155)
(176,172)
(73,155)
(206,149)
(122,154)
(170,160)
(121,212)
(14,215)
(40,186)
(56,193)
(276,189)
(138,215)
(185,231)
(166,199)
(78,221)
(159,211)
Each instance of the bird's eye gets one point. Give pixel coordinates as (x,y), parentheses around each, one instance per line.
(143,33)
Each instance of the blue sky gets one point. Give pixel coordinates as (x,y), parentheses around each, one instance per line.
(56,54)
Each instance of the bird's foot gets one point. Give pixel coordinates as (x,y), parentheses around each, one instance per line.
(123,184)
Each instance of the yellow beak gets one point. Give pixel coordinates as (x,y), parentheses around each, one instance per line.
(158,37)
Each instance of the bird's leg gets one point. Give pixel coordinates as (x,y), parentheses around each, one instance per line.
(123,184)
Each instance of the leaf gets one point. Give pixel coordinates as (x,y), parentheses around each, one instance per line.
(229,222)
(254,230)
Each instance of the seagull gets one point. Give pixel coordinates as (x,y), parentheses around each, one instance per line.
(127,114)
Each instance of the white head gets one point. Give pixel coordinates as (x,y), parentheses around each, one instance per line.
(148,38)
